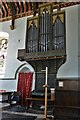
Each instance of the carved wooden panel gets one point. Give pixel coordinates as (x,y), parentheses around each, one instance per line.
(40,76)
(67,105)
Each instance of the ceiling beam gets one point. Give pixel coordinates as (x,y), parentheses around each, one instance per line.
(18,9)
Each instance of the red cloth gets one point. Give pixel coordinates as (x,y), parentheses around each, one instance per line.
(24,86)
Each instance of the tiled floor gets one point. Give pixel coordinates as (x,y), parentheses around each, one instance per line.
(39,116)
(3,105)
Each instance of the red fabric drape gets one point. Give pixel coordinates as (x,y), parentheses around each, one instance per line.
(24,86)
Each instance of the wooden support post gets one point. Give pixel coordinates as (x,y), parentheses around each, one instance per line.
(46,87)
(12,24)
(45,112)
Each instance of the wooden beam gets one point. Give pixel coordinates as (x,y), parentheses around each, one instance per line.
(35,10)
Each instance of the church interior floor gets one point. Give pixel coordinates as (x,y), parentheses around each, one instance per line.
(6,108)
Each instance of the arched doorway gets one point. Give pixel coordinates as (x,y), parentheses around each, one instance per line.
(24,84)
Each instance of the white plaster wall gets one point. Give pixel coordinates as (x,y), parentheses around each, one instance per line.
(13,45)
(11,85)
(79,40)
(16,41)
(0,26)
(70,68)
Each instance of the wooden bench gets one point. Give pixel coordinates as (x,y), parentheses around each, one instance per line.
(36,99)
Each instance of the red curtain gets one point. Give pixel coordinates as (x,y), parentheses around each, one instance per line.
(24,86)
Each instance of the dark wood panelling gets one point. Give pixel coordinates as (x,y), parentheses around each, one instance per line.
(79,84)
(67,98)
(40,76)
(68,84)
(67,102)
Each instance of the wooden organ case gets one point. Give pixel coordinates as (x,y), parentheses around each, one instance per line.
(45,44)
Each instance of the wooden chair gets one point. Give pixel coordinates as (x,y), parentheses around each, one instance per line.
(15,97)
